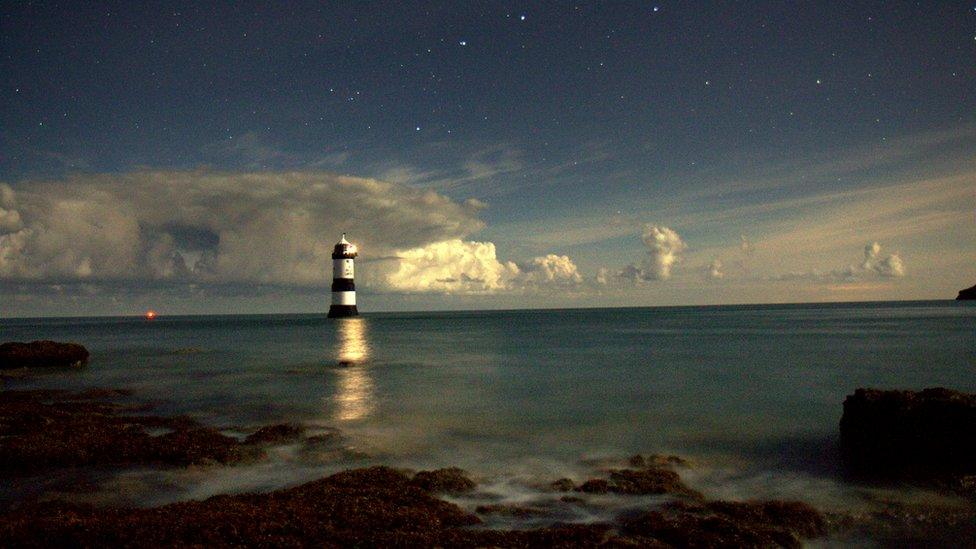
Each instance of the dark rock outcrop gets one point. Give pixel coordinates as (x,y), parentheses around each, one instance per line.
(38,354)
(276,434)
(930,434)
(649,480)
(43,430)
(448,481)
(382,507)
(727,524)
(968,293)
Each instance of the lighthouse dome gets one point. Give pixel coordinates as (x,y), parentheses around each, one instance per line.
(344,249)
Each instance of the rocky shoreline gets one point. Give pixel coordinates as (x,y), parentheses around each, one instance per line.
(45,432)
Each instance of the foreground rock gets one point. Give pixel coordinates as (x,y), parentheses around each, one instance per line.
(968,293)
(727,524)
(447,481)
(909,435)
(46,430)
(382,507)
(39,354)
(649,475)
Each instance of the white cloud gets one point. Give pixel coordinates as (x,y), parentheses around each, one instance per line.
(457,266)
(9,217)
(551,270)
(274,228)
(664,248)
(253,229)
(714,270)
(450,266)
(887,267)
(874,265)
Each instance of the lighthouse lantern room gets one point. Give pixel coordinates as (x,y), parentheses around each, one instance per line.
(343,287)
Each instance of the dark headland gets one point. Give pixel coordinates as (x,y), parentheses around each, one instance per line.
(968,293)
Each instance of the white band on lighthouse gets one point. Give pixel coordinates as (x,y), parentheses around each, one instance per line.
(342,268)
(343,298)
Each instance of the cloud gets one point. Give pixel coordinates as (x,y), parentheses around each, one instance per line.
(874,265)
(550,271)
(887,267)
(270,228)
(714,270)
(457,266)
(664,248)
(234,230)
(450,266)
(9,217)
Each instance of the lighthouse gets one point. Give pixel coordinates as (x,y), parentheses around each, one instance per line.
(343,288)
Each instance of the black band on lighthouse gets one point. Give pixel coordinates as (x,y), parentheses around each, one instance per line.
(343,285)
(340,311)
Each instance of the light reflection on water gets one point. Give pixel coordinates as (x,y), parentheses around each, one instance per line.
(354,399)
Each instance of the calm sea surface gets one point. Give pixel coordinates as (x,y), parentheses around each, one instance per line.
(752,393)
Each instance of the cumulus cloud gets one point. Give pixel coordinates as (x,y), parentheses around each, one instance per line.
(664,249)
(450,266)
(887,267)
(550,271)
(212,228)
(874,265)
(456,266)
(714,270)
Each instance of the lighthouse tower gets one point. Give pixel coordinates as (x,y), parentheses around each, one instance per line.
(343,288)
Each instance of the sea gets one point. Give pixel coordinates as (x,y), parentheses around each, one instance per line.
(749,395)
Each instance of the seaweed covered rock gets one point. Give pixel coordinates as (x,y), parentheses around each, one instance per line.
(42,430)
(929,434)
(37,354)
(727,524)
(375,506)
(276,434)
(649,480)
(449,481)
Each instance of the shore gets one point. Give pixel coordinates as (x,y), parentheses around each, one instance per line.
(59,447)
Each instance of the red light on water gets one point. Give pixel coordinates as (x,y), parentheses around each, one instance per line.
(150,314)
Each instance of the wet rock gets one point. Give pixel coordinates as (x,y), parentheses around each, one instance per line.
(449,481)
(375,507)
(968,293)
(37,354)
(639,482)
(649,481)
(906,525)
(562,485)
(45,430)
(276,434)
(594,486)
(930,434)
(727,524)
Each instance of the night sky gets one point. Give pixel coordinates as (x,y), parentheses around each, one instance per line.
(205,158)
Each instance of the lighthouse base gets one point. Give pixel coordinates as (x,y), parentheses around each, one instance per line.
(342,311)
